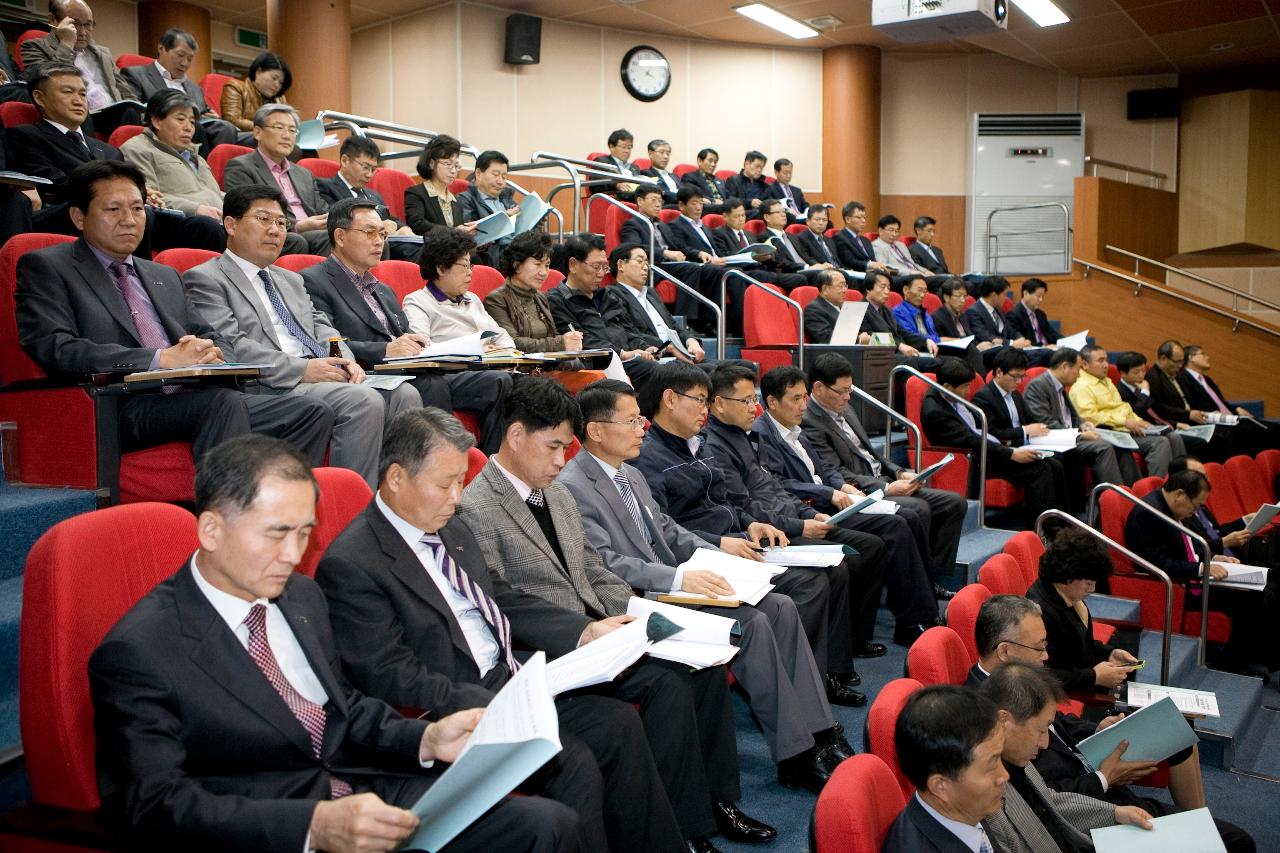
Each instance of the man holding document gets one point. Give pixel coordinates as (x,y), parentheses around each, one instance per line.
(409,565)
(223,721)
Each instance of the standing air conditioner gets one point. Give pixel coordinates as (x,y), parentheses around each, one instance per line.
(1024,169)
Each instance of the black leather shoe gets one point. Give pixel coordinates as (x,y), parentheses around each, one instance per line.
(848,679)
(942,593)
(809,770)
(700,845)
(870,650)
(734,825)
(905,635)
(838,694)
(833,741)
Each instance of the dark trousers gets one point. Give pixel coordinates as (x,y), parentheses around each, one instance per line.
(819,597)
(940,514)
(1043,483)
(907,579)
(867,572)
(483,392)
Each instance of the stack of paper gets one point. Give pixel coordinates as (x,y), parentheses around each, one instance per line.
(1181,832)
(1241,576)
(1196,703)
(1222,418)
(518,733)
(1204,432)
(849,323)
(604,658)
(806,555)
(957,343)
(1058,440)
(703,638)
(923,476)
(750,580)
(1154,732)
(1116,438)
(1262,518)
(1075,342)
(873,503)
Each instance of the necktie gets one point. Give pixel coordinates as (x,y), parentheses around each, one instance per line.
(1217,401)
(822,244)
(80,143)
(1037,335)
(535,498)
(697,226)
(629,499)
(309,714)
(287,319)
(469,589)
(858,448)
(791,202)
(150,333)
(791,250)
(967,417)
(742,240)
(984,846)
(366,286)
(921,327)
(1191,551)
(1065,407)
(1211,529)
(999,321)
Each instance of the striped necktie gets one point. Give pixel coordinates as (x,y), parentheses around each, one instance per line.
(471,591)
(632,505)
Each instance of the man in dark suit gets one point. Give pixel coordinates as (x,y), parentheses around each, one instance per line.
(275,128)
(786,257)
(487,195)
(749,184)
(792,197)
(987,322)
(912,348)
(732,239)
(1202,393)
(714,192)
(633,307)
(259,744)
(951,322)
(959,779)
(620,144)
(853,249)
(948,424)
(1135,389)
(358,160)
(923,252)
(821,314)
(174,55)
(837,436)
(817,249)
(94,307)
(440,651)
(365,312)
(1026,320)
(659,151)
(1168,399)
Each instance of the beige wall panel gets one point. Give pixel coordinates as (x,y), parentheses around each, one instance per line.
(372,76)
(1109,135)
(666,118)
(1000,84)
(924,124)
(1262,214)
(486,116)
(117,28)
(1214,171)
(726,111)
(223,38)
(796,84)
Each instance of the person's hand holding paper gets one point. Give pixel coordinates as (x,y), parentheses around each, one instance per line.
(444,739)
(596,630)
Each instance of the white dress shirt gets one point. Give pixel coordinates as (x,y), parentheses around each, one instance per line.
(289,345)
(677,580)
(792,438)
(858,447)
(169,82)
(443,319)
(522,488)
(99,96)
(475,630)
(969,835)
(664,331)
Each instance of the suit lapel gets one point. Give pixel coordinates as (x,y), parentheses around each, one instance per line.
(103,288)
(64,142)
(157,290)
(347,291)
(652,295)
(638,313)
(515,508)
(607,490)
(250,294)
(305,633)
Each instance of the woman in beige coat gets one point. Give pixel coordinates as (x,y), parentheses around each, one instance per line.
(170,161)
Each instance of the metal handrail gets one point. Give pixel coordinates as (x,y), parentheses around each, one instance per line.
(897,416)
(1094,162)
(692,291)
(751,282)
(403,134)
(630,211)
(1139,284)
(1202,548)
(1138,260)
(982,449)
(577,161)
(575,178)
(1166,640)
(992,257)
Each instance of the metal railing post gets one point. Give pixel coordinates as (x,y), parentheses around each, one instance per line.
(1066,234)
(692,291)
(751,282)
(897,416)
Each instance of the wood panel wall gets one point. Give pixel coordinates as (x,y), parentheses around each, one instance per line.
(951,211)
(1133,217)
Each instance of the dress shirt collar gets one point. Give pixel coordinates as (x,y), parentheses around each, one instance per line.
(408,532)
(791,435)
(106,260)
(231,610)
(62,128)
(837,416)
(522,488)
(347,184)
(970,836)
(277,169)
(775,232)
(1194,374)
(444,195)
(441,296)
(697,226)
(364,281)
(166,76)
(982,670)
(1135,389)
(609,470)
(249,269)
(991,309)
(1057,386)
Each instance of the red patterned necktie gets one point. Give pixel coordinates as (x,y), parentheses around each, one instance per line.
(309,714)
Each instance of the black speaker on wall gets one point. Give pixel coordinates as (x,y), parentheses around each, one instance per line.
(524,40)
(1154,103)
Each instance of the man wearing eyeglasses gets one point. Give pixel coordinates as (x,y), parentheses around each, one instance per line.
(71,41)
(275,127)
(358,161)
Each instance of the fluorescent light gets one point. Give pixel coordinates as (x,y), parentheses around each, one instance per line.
(771,17)
(1044,12)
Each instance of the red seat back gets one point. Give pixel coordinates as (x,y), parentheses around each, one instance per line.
(641,163)
(320,167)
(15,365)
(1223,501)
(797,228)
(613,220)
(1249,482)
(754,226)
(713,220)
(125,60)
(123,134)
(725,174)
(184,259)
(668,215)
(1001,575)
(894,300)
(485,280)
(1025,547)
(1113,373)
(962,616)
(404,277)
(391,185)
(458,186)
(223,154)
(1032,373)
(298,263)
(476,460)
(804,294)
(1113,511)
(343,494)
(856,807)
(80,578)
(767,321)
(27,35)
(212,85)
(931,303)
(938,657)
(554,277)
(682,169)
(882,718)
(14,113)
(1269,460)
(1147,485)
(852,295)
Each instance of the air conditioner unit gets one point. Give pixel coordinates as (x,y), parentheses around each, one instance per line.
(935,20)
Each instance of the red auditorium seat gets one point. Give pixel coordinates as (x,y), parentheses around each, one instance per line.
(1270,462)
(320,167)
(58,425)
(485,280)
(298,263)
(754,226)
(667,215)
(554,277)
(391,184)
(343,494)
(804,294)
(797,228)
(852,295)
(223,154)
(938,657)
(713,220)
(1001,575)
(682,169)
(856,807)
(476,460)
(458,185)
(882,717)
(123,134)
(126,60)
(80,578)
(1223,501)
(184,259)
(962,616)
(404,277)
(1250,483)
(1025,547)
(14,113)
(212,85)
(1147,485)
(894,300)
(613,220)
(641,163)
(931,303)
(17,45)
(769,328)
(725,174)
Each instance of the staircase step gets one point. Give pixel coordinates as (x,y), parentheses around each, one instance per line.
(972,517)
(10,610)
(976,547)
(26,513)
(1182,658)
(1257,750)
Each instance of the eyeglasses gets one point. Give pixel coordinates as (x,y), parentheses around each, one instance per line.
(598,266)
(634,423)
(466,265)
(701,401)
(746,401)
(371,232)
(642,261)
(1040,650)
(841,392)
(365,165)
(266,220)
(286,129)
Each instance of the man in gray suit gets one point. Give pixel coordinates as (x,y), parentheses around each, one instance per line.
(264,314)
(275,127)
(644,546)
(487,195)
(1035,818)
(535,541)
(174,55)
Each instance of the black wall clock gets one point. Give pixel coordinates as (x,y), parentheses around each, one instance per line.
(646,74)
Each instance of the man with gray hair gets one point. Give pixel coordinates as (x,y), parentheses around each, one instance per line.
(174,55)
(275,129)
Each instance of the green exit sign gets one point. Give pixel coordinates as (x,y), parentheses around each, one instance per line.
(251,38)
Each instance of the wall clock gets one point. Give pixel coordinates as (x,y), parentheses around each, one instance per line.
(646,74)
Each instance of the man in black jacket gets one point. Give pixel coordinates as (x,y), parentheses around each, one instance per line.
(923,252)
(659,151)
(1134,388)
(853,249)
(749,184)
(791,196)
(174,54)
(912,348)
(358,159)
(704,178)
(1026,320)
(1202,392)
(487,195)
(631,307)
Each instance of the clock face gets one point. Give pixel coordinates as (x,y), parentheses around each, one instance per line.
(646,74)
